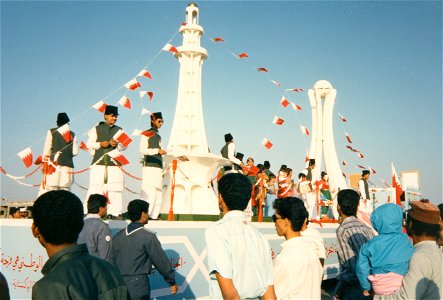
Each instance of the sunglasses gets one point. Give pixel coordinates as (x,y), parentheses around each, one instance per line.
(275,218)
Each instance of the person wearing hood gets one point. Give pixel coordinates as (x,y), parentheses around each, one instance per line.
(384,260)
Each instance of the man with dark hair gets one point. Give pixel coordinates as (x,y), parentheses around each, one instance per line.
(363,187)
(134,251)
(297,269)
(351,236)
(311,197)
(70,272)
(424,278)
(152,181)
(239,256)
(14,212)
(267,166)
(228,152)
(96,233)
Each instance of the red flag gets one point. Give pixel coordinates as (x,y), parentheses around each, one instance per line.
(348,137)
(145,111)
(284,102)
(26,156)
(296,107)
(119,157)
(371,170)
(39,160)
(150,94)
(361,167)
(170,48)
(105,193)
(262,70)
(306,158)
(184,24)
(242,55)
(278,121)
(148,133)
(360,155)
(344,163)
(122,138)
(100,106)
(267,143)
(125,102)
(397,185)
(276,83)
(218,39)
(344,175)
(65,132)
(145,73)
(297,90)
(342,118)
(83,146)
(304,130)
(133,84)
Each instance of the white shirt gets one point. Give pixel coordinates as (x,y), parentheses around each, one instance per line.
(231,154)
(297,271)
(237,250)
(314,236)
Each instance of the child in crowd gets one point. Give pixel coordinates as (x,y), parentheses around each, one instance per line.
(271,195)
(384,260)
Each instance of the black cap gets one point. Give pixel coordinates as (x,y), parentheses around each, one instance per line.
(365,172)
(228,137)
(156,115)
(111,110)
(311,161)
(239,156)
(62,119)
(266,164)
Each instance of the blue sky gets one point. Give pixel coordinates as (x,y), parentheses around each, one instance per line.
(384,58)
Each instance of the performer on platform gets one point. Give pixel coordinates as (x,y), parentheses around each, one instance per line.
(228,152)
(311,196)
(106,178)
(60,147)
(151,149)
(366,204)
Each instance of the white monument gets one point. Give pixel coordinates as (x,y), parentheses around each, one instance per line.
(322,140)
(193,193)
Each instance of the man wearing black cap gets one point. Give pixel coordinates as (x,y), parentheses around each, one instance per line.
(313,210)
(363,187)
(228,152)
(151,149)
(424,279)
(59,149)
(106,178)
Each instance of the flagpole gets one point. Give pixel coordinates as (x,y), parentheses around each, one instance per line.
(171,208)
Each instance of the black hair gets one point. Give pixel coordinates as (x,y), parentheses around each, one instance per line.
(301,175)
(266,164)
(136,208)
(440,207)
(236,190)
(58,215)
(13,210)
(293,209)
(419,228)
(95,201)
(348,200)
(272,175)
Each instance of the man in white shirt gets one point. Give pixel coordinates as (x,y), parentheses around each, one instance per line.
(297,269)
(228,152)
(239,256)
(314,236)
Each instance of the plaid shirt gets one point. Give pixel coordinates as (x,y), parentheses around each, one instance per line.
(351,235)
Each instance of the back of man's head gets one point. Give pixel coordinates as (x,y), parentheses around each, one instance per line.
(96,201)
(236,190)
(348,200)
(136,208)
(58,215)
(293,209)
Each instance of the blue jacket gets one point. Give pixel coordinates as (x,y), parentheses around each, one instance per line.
(390,251)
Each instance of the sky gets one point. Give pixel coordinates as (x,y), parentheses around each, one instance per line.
(384,58)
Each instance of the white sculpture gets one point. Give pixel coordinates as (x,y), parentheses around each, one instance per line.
(193,193)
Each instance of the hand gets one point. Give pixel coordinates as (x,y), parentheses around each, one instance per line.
(174,289)
(162,152)
(114,143)
(366,293)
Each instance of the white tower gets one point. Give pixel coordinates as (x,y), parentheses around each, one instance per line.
(322,141)
(193,193)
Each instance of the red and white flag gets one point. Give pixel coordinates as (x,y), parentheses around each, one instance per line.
(39,160)
(133,84)
(100,106)
(371,170)
(137,132)
(361,167)
(65,132)
(263,70)
(242,55)
(122,138)
(342,118)
(348,137)
(267,143)
(304,130)
(360,155)
(278,121)
(26,156)
(83,146)
(144,93)
(284,102)
(184,24)
(119,157)
(125,102)
(344,163)
(145,73)
(297,90)
(344,175)
(145,111)
(170,48)
(397,185)
(218,39)
(275,82)
(296,107)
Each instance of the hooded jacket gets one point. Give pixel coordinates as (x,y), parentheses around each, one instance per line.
(390,251)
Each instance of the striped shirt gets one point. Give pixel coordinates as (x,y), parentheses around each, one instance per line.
(351,236)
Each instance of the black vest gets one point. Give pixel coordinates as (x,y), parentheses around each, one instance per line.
(59,144)
(155,160)
(224,151)
(366,189)
(105,132)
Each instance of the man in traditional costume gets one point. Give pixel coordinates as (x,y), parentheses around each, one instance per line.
(366,204)
(106,177)
(228,152)
(59,149)
(151,149)
(311,197)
